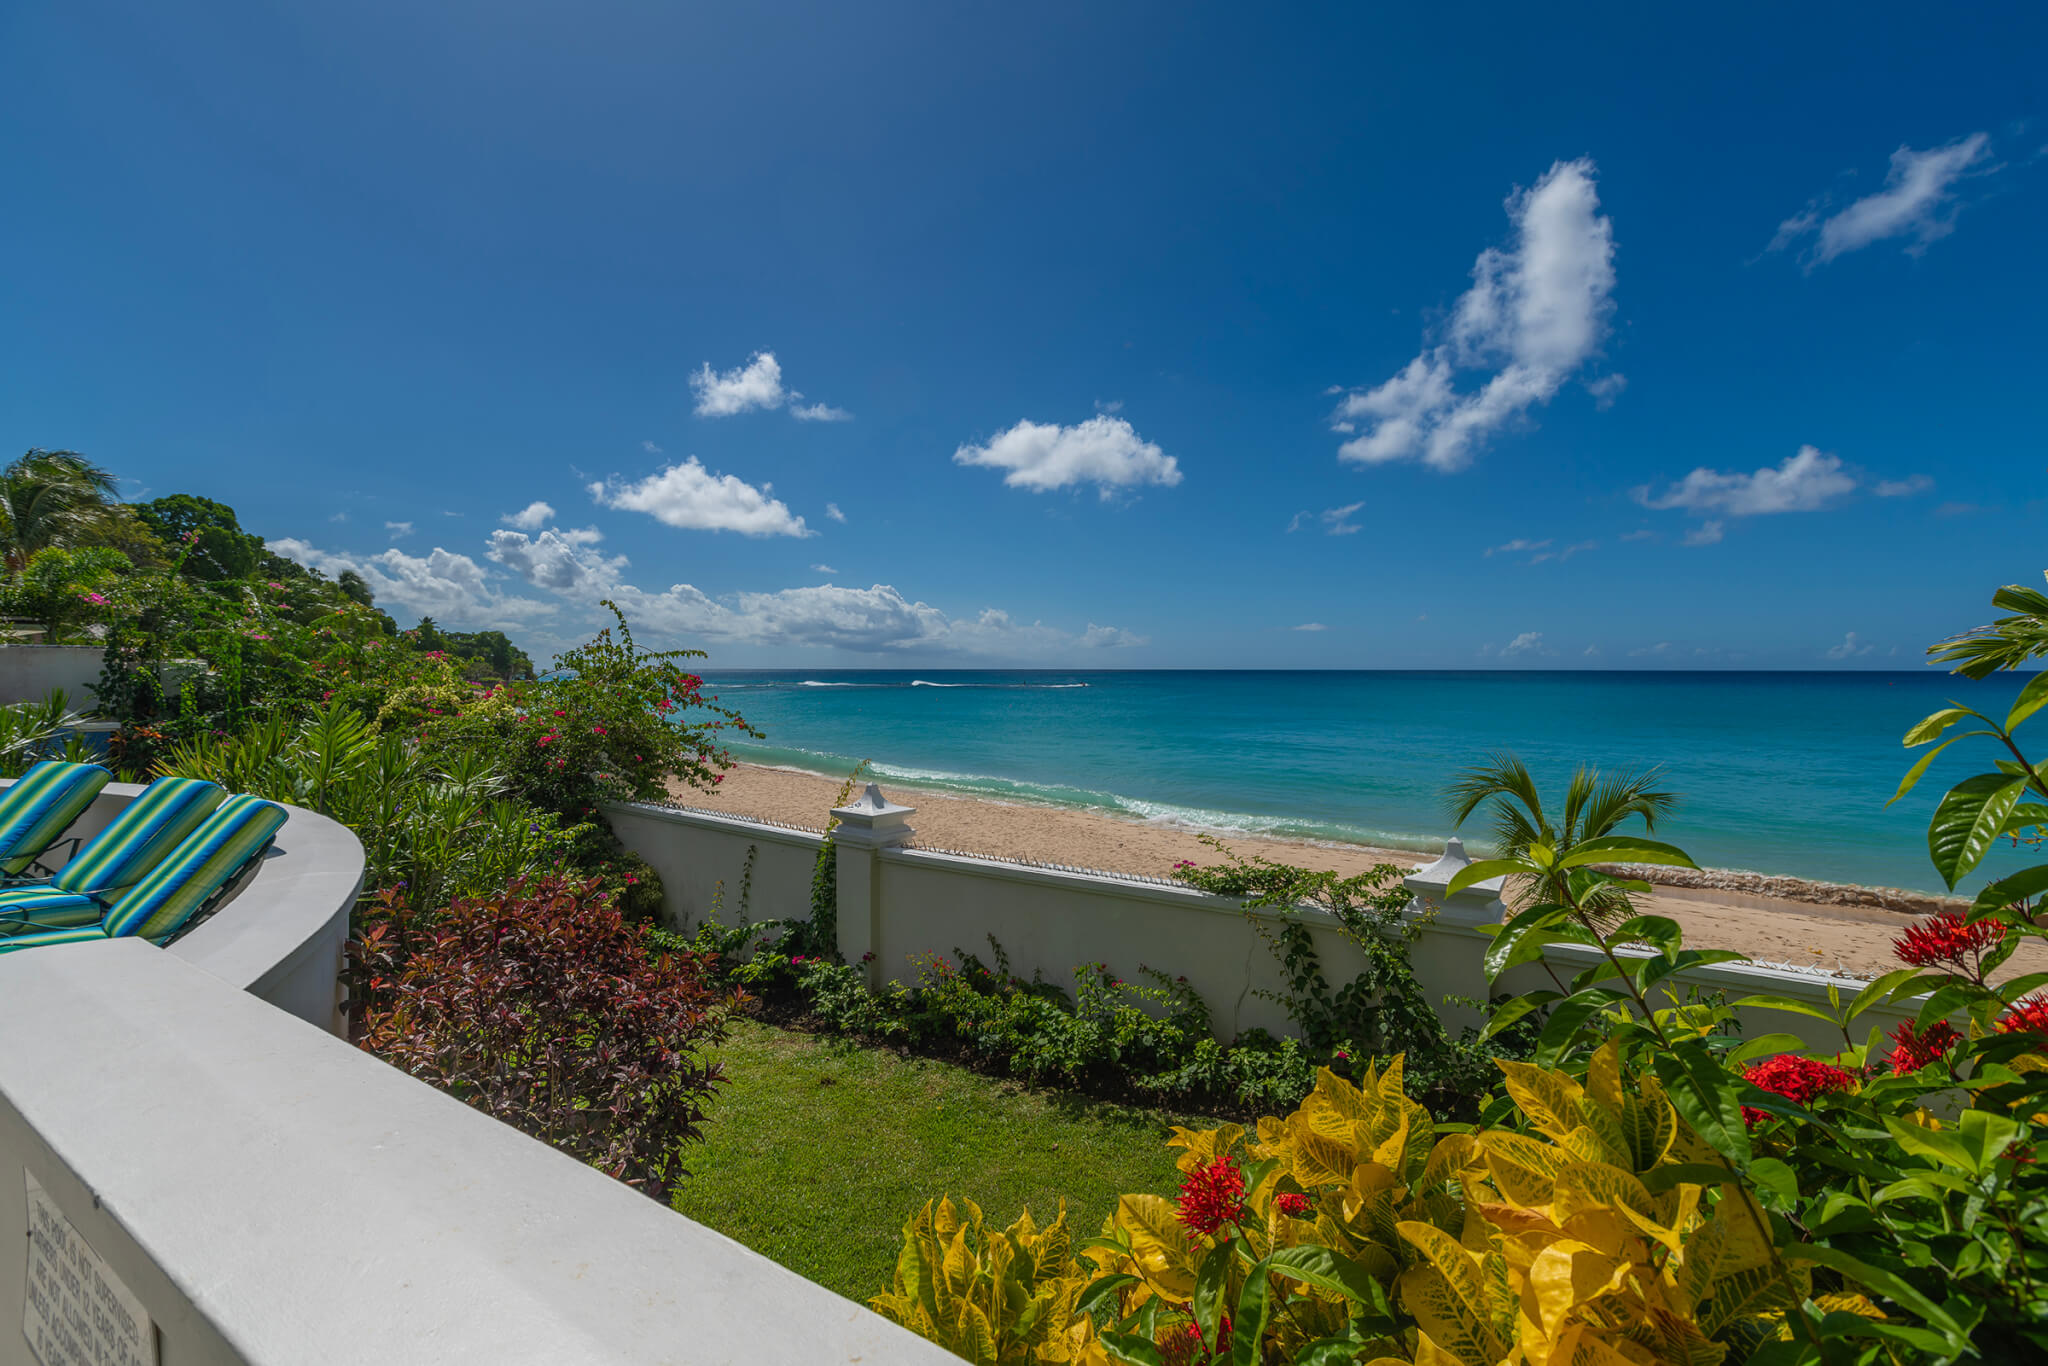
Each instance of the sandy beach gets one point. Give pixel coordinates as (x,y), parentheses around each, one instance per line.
(1735,911)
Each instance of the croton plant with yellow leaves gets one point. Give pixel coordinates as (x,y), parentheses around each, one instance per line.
(1648,1188)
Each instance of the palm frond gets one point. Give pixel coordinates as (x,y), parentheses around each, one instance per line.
(1618,796)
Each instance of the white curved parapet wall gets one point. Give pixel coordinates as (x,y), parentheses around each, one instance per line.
(263,1194)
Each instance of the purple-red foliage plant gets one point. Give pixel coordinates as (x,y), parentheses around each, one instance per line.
(542,1007)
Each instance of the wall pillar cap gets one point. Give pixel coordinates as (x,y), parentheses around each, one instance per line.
(872,821)
(1430,880)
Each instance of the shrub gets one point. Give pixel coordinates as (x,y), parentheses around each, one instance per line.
(541,1007)
(612,722)
(1351,1230)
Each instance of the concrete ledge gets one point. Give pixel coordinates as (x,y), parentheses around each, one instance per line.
(275,1196)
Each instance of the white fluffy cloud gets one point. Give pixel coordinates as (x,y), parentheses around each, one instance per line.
(823,569)
(1804,482)
(757,384)
(558,560)
(1105,451)
(532,517)
(398,529)
(691,497)
(1527,643)
(1310,626)
(1902,488)
(1917,203)
(453,589)
(832,511)
(1535,314)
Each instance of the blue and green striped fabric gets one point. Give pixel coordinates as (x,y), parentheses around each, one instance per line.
(146,829)
(159,905)
(25,909)
(40,805)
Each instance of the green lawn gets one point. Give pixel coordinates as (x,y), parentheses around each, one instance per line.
(817,1150)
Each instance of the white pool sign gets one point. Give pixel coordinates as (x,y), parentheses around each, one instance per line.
(77,1312)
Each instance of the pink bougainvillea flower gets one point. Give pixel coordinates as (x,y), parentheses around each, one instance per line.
(597,730)
(1212,1195)
(1796,1078)
(1946,939)
(98,599)
(1913,1049)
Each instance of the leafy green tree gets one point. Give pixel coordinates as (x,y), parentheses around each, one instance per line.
(51,498)
(1595,805)
(215,546)
(60,588)
(354,588)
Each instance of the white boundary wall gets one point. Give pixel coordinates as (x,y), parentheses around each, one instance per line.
(902,903)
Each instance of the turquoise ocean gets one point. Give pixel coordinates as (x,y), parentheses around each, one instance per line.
(1777,772)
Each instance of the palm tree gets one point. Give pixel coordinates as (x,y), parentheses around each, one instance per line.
(1595,804)
(51,498)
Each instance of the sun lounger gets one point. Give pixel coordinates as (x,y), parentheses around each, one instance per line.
(156,908)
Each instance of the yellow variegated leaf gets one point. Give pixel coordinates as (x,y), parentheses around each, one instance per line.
(1446,1322)
(1567,1277)
(1584,1185)
(1200,1146)
(1448,1159)
(1159,1244)
(1321,1161)
(1751,1290)
(1523,1168)
(1461,1270)
(947,1219)
(974,1339)
(1549,1099)
(1514,1220)
(1680,1342)
(1390,1083)
(1390,1148)
(1586,1144)
(1338,1094)
(1586,1347)
(960,1264)
(1328,1123)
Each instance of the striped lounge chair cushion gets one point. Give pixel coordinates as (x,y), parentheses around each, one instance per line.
(159,905)
(40,805)
(27,909)
(146,830)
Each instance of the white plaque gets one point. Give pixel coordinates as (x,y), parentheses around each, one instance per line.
(76,1311)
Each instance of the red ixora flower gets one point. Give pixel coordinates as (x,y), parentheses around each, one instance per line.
(1293,1204)
(1913,1050)
(2028,1015)
(1946,939)
(1797,1079)
(1212,1195)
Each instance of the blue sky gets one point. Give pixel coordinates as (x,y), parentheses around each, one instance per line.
(1075,336)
